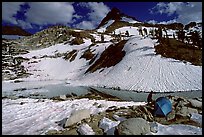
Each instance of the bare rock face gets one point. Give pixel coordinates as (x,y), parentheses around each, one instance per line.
(114,14)
(195,103)
(77,116)
(133,126)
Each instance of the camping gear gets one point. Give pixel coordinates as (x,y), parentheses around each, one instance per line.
(162,107)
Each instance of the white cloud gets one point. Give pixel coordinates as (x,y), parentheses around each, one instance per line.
(85,25)
(9,9)
(186,11)
(152,21)
(162,22)
(98,10)
(24,25)
(168,22)
(168,8)
(43,13)
(77,16)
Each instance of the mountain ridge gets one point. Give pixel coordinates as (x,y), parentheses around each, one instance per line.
(14,30)
(116,15)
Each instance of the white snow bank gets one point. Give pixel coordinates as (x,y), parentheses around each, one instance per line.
(130,29)
(38,116)
(196,117)
(142,70)
(103,28)
(129,20)
(178,129)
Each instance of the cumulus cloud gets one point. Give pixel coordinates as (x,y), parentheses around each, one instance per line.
(9,9)
(85,25)
(43,13)
(152,21)
(162,22)
(98,10)
(24,25)
(186,11)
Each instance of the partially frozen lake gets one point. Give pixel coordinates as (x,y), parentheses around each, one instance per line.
(48,89)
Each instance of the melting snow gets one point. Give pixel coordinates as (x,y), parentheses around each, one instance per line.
(178,129)
(129,20)
(38,116)
(103,28)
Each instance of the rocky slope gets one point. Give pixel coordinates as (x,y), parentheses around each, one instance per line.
(14,30)
(124,120)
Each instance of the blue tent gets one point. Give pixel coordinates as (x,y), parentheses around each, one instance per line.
(162,107)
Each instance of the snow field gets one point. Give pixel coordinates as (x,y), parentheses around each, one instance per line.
(37,117)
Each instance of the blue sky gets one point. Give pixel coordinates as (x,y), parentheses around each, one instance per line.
(35,16)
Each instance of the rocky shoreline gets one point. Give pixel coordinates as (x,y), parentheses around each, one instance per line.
(125,120)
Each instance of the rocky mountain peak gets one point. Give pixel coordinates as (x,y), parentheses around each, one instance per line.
(114,14)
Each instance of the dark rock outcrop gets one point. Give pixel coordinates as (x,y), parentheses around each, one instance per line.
(114,14)
(14,30)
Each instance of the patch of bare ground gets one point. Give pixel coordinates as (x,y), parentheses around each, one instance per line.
(110,57)
(172,48)
(116,25)
(71,55)
(88,55)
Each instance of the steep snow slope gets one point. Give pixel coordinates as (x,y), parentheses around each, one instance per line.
(140,69)
(57,68)
(103,28)
(130,20)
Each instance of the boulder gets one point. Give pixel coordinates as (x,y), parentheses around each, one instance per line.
(70,132)
(77,116)
(107,124)
(186,111)
(171,115)
(153,127)
(85,129)
(52,132)
(133,126)
(195,103)
(63,97)
(182,102)
(197,118)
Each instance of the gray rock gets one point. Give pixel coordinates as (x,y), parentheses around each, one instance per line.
(171,115)
(134,107)
(153,127)
(182,103)
(195,103)
(197,118)
(116,117)
(133,126)
(144,116)
(101,105)
(85,129)
(63,97)
(186,111)
(77,116)
(70,132)
(52,132)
